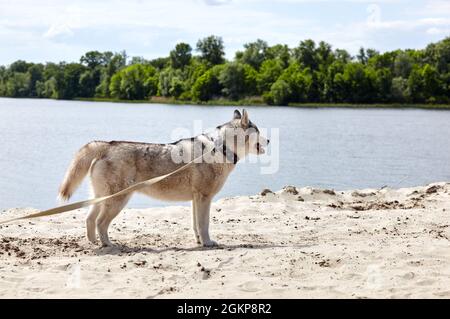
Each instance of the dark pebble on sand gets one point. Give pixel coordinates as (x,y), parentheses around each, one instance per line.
(266,191)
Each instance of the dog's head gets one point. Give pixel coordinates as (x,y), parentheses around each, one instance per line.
(242,136)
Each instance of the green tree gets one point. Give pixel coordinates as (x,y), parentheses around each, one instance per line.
(382,61)
(69,85)
(355,84)
(19,66)
(300,82)
(268,73)
(254,54)
(138,60)
(176,87)
(114,63)
(95,62)
(18,85)
(438,55)
(207,86)
(50,88)
(293,85)
(181,55)
(35,74)
(382,79)
(307,73)
(342,56)
(415,85)
(232,78)
(324,55)
(250,80)
(2,81)
(237,80)
(193,71)
(280,93)
(167,78)
(40,89)
(432,88)
(399,89)
(280,52)
(305,54)
(93,59)
(402,65)
(88,82)
(332,90)
(160,63)
(361,56)
(211,49)
(135,82)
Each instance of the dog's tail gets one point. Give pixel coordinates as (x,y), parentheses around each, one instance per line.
(79,167)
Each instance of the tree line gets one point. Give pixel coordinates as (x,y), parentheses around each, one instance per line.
(279,75)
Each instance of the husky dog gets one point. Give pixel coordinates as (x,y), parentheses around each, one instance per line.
(116,165)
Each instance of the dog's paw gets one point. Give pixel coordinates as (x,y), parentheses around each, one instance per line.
(210,243)
(93,241)
(108,245)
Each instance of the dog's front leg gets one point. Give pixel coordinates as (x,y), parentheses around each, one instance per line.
(203,205)
(195,221)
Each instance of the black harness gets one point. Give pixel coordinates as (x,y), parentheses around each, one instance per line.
(230,156)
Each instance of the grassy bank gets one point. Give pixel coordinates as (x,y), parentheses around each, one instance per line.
(374,105)
(168,100)
(259,102)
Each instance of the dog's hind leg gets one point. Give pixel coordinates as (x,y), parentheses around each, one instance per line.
(109,210)
(90,223)
(195,222)
(203,205)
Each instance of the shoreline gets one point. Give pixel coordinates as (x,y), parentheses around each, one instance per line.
(257,102)
(293,243)
(250,102)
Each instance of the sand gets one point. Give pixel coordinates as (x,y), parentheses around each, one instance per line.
(294,243)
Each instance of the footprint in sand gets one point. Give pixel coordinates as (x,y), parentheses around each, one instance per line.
(425,282)
(408,276)
(249,286)
(11,279)
(444,294)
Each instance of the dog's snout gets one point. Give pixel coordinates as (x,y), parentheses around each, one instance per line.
(268,141)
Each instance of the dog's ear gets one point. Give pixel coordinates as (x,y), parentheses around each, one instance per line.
(237,115)
(244,119)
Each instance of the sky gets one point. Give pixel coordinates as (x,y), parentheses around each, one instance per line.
(62,30)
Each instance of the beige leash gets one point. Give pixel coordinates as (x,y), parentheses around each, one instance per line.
(69,207)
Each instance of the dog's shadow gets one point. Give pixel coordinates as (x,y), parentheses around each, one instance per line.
(125,249)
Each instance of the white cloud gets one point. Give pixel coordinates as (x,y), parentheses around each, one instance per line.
(325,1)
(439,31)
(32,29)
(194,17)
(58,30)
(441,7)
(216,2)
